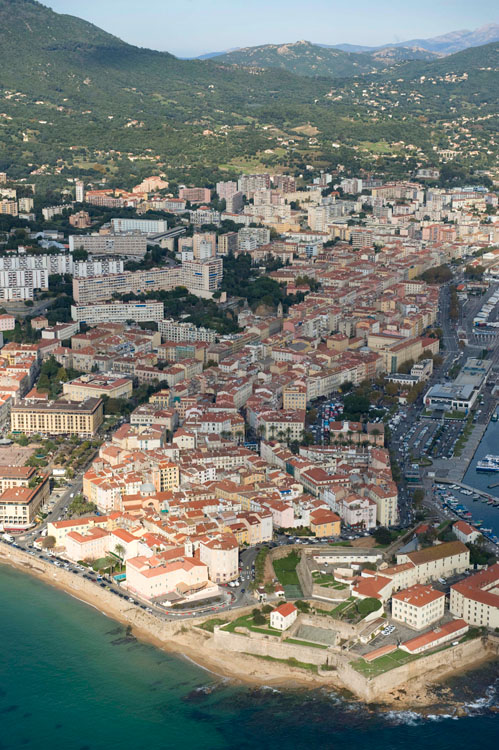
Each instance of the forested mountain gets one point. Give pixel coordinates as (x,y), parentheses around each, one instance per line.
(305,58)
(76,100)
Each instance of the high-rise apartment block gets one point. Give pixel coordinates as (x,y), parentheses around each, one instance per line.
(128,245)
(195,194)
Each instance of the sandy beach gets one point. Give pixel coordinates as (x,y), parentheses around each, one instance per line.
(193,643)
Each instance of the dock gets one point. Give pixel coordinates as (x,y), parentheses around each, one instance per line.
(487,495)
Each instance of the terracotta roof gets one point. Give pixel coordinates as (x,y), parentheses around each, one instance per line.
(286,609)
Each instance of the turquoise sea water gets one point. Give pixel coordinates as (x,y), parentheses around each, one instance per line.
(71,680)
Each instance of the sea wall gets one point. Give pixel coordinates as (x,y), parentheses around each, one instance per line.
(268,646)
(433,667)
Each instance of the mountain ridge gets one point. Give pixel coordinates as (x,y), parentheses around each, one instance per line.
(76,100)
(444,44)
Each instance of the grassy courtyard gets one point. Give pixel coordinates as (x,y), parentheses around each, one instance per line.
(247,621)
(327,580)
(285,569)
(384,663)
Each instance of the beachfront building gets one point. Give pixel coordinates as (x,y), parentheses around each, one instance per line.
(158,578)
(418,606)
(221,556)
(20,503)
(283,616)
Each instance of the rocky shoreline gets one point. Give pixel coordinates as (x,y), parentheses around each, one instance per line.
(189,641)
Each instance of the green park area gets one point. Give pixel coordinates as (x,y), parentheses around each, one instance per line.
(285,569)
(256,622)
(383,663)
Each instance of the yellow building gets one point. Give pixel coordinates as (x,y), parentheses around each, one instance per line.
(92,386)
(294,397)
(324,523)
(60,417)
(166,476)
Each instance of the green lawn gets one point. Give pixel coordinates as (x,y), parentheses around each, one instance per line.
(304,643)
(383,663)
(327,580)
(291,662)
(210,625)
(246,621)
(337,611)
(285,569)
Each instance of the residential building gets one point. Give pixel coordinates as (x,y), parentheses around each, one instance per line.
(476,598)
(118,312)
(127,245)
(418,606)
(142,226)
(283,616)
(20,503)
(195,194)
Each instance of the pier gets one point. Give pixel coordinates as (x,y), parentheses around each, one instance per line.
(448,481)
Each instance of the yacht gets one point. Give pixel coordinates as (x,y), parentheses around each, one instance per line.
(489,463)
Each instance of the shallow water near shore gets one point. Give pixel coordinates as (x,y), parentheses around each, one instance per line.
(70,678)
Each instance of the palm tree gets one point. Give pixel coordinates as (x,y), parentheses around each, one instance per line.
(120,551)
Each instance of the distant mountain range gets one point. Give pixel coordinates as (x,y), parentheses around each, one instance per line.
(312,59)
(446,44)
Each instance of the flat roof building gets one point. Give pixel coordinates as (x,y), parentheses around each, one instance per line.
(62,417)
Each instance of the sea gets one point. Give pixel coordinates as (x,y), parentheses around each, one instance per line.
(482,481)
(72,679)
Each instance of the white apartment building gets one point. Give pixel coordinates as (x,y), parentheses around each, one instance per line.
(49,212)
(202,277)
(172,330)
(250,183)
(102,288)
(89,268)
(128,245)
(56,263)
(79,191)
(38,279)
(118,312)
(143,226)
(418,606)
(249,238)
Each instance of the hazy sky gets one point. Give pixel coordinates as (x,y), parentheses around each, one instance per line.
(194,27)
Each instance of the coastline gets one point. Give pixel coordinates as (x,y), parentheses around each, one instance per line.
(194,644)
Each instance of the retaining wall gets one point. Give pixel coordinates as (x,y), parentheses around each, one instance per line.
(264,646)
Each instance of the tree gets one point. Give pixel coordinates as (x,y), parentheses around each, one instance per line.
(383,535)
(418,496)
(120,551)
(48,542)
(391,389)
(258,618)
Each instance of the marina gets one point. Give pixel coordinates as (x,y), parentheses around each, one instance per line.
(475,499)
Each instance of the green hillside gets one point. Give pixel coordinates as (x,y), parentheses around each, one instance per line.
(307,59)
(76,101)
